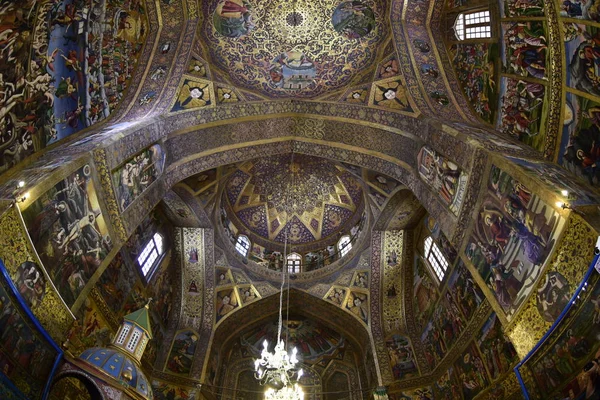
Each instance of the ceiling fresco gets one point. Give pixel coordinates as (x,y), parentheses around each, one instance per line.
(293,49)
(304,197)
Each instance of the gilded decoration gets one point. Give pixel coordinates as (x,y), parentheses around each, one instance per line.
(277,47)
(193,260)
(17,251)
(110,199)
(194,93)
(392,264)
(571,260)
(392,94)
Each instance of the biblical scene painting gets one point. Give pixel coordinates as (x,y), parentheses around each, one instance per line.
(31,283)
(444,176)
(313,340)
(581,49)
(579,149)
(558,180)
(160,290)
(131,179)
(358,305)
(564,364)
(68,388)
(226,301)
(516,8)
(182,353)
(69,232)
(89,330)
(512,238)
(448,321)
(425,293)
(70,62)
(116,282)
(167,391)
(353,19)
(446,387)
(474,64)
(585,10)
(292,70)
(463,291)
(233,18)
(498,351)
(470,372)
(553,295)
(25,356)
(523,111)
(525,49)
(434,347)
(402,357)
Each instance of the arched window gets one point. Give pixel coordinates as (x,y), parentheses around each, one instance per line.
(294,263)
(475,25)
(148,259)
(436,259)
(344,245)
(242,245)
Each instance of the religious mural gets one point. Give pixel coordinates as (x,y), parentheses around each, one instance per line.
(425,293)
(525,49)
(182,352)
(31,283)
(567,362)
(116,282)
(434,347)
(446,387)
(132,178)
(581,129)
(553,295)
(69,232)
(292,70)
(402,357)
(167,391)
(26,358)
(313,340)
(512,238)
(424,393)
(464,291)
(516,8)
(89,330)
(448,321)
(589,10)
(498,352)
(581,52)
(444,176)
(523,111)
(358,304)
(391,94)
(161,291)
(226,301)
(69,388)
(470,371)
(64,67)
(474,64)
(353,19)
(233,19)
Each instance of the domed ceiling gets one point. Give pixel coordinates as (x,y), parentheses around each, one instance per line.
(308,198)
(295,48)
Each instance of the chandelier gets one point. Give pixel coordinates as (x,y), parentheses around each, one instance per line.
(278,369)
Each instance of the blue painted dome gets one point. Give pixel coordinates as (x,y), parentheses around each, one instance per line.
(120,367)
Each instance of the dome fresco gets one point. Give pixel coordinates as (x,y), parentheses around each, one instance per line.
(293,49)
(308,198)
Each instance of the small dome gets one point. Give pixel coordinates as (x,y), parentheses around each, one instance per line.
(120,367)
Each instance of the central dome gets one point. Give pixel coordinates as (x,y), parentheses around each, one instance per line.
(309,199)
(291,49)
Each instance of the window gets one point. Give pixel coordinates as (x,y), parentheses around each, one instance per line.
(474,25)
(344,245)
(134,339)
(150,255)
(436,259)
(141,346)
(123,334)
(242,245)
(294,262)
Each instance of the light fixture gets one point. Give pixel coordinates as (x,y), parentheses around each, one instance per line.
(566,206)
(278,369)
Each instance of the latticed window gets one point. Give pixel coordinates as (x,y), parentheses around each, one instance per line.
(474,25)
(242,245)
(123,334)
(294,263)
(135,336)
(344,245)
(150,255)
(436,259)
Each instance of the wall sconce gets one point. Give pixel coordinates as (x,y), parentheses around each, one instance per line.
(566,206)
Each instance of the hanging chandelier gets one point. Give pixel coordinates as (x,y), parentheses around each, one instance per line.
(278,369)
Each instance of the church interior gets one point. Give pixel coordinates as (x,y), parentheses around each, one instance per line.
(401,193)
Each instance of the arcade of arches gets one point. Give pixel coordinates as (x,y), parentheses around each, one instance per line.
(420,168)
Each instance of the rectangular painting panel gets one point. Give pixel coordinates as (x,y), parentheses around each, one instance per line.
(579,149)
(464,291)
(514,233)
(69,232)
(523,111)
(402,357)
(167,391)
(498,351)
(524,49)
(470,372)
(516,8)
(425,293)
(182,353)
(581,52)
(116,282)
